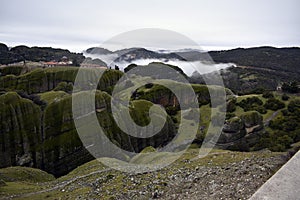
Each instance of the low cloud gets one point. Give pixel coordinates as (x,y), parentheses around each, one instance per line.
(187,67)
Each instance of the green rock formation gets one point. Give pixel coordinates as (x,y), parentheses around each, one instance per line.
(42,80)
(241,133)
(161,95)
(15,70)
(20,128)
(47,139)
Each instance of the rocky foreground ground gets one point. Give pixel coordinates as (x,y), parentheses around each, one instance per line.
(220,175)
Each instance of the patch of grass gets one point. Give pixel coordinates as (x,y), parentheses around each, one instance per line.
(50,96)
(60,194)
(86,168)
(24,174)
(153,158)
(16,188)
(296,145)
(205,116)
(249,77)
(268,114)
(218,157)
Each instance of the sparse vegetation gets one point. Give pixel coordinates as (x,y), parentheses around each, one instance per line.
(93,180)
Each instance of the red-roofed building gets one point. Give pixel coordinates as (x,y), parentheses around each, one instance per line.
(50,64)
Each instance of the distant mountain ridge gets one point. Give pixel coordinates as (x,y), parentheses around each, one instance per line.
(283,59)
(22,53)
(132,54)
(98,50)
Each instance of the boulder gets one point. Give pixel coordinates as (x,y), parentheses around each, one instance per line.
(233,125)
(233,130)
(239,133)
(25,160)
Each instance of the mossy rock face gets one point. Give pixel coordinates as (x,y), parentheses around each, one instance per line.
(252,118)
(42,80)
(14,70)
(159,94)
(140,114)
(233,125)
(108,80)
(233,130)
(62,147)
(234,134)
(49,140)
(20,121)
(8,82)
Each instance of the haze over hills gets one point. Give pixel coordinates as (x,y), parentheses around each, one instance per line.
(283,59)
(259,67)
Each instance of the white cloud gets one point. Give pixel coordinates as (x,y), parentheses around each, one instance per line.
(209,22)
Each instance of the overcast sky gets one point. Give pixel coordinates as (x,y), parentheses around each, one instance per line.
(214,24)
